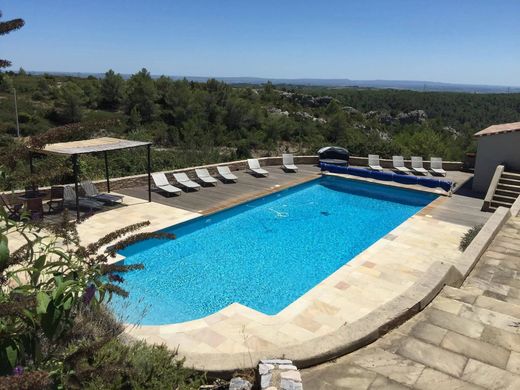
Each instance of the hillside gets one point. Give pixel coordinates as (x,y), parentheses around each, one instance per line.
(203,122)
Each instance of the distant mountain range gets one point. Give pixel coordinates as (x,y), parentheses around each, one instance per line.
(430,86)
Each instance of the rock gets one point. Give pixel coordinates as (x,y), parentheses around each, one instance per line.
(264,368)
(265,380)
(350,110)
(290,385)
(386,119)
(240,384)
(287,367)
(416,116)
(276,361)
(291,375)
(372,114)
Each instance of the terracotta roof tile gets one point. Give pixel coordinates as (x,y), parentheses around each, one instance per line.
(499,129)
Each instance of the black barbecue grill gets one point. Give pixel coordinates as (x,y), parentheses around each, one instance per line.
(333,155)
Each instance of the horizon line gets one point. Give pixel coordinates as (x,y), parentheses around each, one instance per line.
(449,83)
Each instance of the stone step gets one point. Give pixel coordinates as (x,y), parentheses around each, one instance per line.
(507,193)
(460,294)
(497,203)
(504,198)
(511,175)
(509,187)
(503,180)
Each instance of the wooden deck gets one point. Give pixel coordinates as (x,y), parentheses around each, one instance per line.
(212,198)
(462,208)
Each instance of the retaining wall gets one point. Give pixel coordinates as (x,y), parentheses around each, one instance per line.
(142,180)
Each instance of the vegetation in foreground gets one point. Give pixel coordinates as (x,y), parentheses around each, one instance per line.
(469,236)
(55,330)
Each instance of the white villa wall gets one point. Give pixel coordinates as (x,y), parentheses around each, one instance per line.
(494,150)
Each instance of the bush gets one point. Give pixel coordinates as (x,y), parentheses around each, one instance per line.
(140,366)
(52,291)
(469,236)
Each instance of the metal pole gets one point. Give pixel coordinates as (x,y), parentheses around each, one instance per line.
(31,166)
(148,147)
(31,169)
(75,168)
(16,114)
(106,171)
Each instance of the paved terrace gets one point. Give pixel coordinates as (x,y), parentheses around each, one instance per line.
(373,278)
(382,272)
(467,338)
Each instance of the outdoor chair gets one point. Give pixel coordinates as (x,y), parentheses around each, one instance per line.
(69,200)
(186,182)
(14,211)
(398,163)
(92,193)
(373,162)
(417,165)
(162,184)
(226,174)
(56,201)
(288,163)
(254,167)
(436,166)
(204,176)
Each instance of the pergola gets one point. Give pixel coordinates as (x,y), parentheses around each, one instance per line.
(96,145)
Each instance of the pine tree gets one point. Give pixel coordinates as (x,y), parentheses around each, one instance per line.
(6,28)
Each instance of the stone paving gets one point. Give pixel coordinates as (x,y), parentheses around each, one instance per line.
(376,276)
(467,338)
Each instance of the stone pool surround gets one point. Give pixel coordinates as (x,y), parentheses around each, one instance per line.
(314,329)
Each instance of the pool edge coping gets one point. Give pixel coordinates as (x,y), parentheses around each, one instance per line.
(287,310)
(369,328)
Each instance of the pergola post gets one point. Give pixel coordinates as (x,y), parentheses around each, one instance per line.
(76,174)
(149,168)
(31,165)
(106,171)
(31,170)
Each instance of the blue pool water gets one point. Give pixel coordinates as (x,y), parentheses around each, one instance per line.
(263,254)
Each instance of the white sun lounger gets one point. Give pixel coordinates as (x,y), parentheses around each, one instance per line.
(436,166)
(288,163)
(226,174)
(185,181)
(69,200)
(92,192)
(373,162)
(254,166)
(205,177)
(417,165)
(161,182)
(398,162)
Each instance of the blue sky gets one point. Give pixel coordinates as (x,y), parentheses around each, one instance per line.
(463,41)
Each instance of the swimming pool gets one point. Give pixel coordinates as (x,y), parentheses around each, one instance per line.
(264,254)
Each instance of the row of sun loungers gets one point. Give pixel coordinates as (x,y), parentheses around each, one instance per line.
(417,165)
(182,180)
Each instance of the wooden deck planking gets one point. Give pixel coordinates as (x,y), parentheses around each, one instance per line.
(214,197)
(459,209)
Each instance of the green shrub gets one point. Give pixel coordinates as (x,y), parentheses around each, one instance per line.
(52,291)
(140,366)
(469,236)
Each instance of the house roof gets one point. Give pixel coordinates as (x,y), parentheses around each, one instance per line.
(499,129)
(91,146)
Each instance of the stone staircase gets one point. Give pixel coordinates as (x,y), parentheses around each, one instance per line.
(506,191)
(467,338)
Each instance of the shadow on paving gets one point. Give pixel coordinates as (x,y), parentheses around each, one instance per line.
(466,338)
